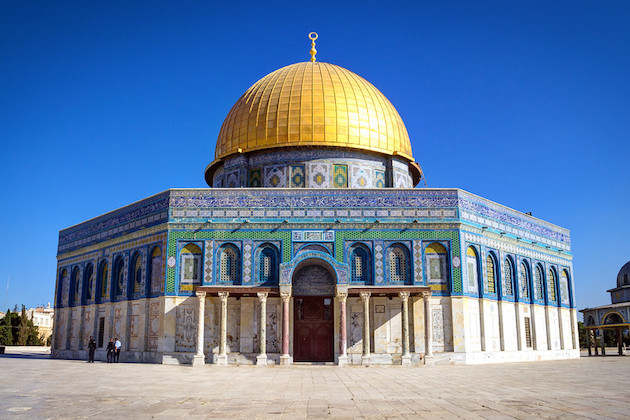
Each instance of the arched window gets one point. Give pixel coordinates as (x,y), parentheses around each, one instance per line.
(551,284)
(538,289)
(156,270)
(436,256)
(268,265)
(590,320)
(228,264)
(491,275)
(63,278)
(190,267)
(508,277)
(103,274)
(564,287)
(359,264)
(398,264)
(119,277)
(88,283)
(136,273)
(523,280)
(74,287)
(472,265)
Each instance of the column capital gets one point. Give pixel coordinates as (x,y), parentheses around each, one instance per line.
(223,295)
(426,294)
(285,296)
(403,295)
(262,296)
(200,295)
(365,295)
(342,296)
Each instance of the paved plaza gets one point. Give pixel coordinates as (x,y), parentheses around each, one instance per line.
(34,386)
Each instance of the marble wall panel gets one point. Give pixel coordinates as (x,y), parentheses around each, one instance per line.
(186,328)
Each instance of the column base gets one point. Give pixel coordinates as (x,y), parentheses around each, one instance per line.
(342,360)
(406,360)
(261,360)
(365,360)
(429,360)
(220,360)
(285,359)
(199,360)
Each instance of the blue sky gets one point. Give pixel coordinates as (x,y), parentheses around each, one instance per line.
(105,103)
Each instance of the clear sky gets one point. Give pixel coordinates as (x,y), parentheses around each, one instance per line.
(105,103)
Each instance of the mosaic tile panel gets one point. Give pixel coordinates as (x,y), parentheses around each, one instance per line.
(208,266)
(417,262)
(232,179)
(379,179)
(340,176)
(275,176)
(319,175)
(255,178)
(247,261)
(298,176)
(379,272)
(361,177)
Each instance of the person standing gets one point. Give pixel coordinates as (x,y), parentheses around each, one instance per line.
(118,345)
(91,349)
(110,351)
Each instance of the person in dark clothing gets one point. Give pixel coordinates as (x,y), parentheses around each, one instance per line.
(110,351)
(91,350)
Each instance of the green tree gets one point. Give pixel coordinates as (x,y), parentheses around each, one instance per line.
(18,329)
(582,335)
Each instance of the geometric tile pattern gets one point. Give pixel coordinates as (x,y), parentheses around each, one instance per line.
(247,261)
(207,272)
(340,176)
(361,177)
(417,262)
(255,178)
(275,176)
(298,177)
(319,175)
(379,272)
(379,179)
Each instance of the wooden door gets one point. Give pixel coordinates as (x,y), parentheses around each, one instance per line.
(313,329)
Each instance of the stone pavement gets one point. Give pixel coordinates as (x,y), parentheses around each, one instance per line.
(33,386)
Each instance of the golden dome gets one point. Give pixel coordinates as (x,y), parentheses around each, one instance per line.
(313,104)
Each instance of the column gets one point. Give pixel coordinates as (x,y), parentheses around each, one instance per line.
(595,345)
(404,300)
(261,359)
(588,341)
(285,358)
(619,342)
(221,358)
(199,359)
(365,359)
(603,341)
(343,346)
(428,319)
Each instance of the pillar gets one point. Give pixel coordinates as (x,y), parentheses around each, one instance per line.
(404,300)
(221,358)
(603,341)
(595,345)
(365,359)
(261,359)
(588,341)
(428,319)
(619,342)
(285,358)
(343,336)
(199,359)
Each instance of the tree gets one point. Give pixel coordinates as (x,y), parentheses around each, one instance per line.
(19,330)
(582,335)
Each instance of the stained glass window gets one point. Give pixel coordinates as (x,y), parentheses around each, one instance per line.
(523,276)
(359,264)
(552,286)
(397,264)
(228,265)
(508,278)
(473,268)
(538,283)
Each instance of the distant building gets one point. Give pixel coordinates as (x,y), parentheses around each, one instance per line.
(43,319)
(615,316)
(313,245)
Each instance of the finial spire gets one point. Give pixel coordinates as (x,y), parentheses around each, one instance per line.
(313,36)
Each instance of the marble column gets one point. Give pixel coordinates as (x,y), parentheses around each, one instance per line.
(619,342)
(588,341)
(428,319)
(261,359)
(343,344)
(404,300)
(603,341)
(365,358)
(199,358)
(221,358)
(595,344)
(285,358)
